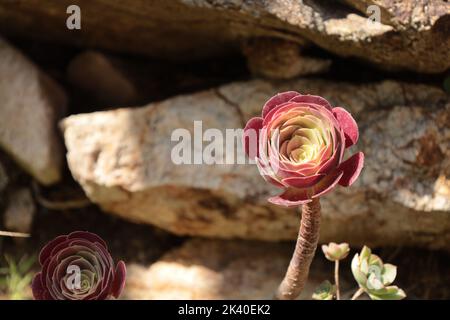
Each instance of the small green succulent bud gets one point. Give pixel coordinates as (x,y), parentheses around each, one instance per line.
(325,291)
(336,252)
(375,277)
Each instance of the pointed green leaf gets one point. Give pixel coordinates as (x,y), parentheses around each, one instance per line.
(373,283)
(376,260)
(389,274)
(357,274)
(365,252)
(390,293)
(364,266)
(325,291)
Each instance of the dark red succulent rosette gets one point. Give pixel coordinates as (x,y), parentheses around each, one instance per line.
(299,144)
(98,278)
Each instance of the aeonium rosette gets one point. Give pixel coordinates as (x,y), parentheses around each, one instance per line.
(300,144)
(78,266)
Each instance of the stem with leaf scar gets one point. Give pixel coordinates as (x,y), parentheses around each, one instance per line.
(308,236)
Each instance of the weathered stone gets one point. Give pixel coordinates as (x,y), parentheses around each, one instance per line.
(99,75)
(30,106)
(217,269)
(122,160)
(101,80)
(280,59)
(18,216)
(414,14)
(412,34)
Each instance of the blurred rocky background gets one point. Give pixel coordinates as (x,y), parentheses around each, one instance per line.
(86,117)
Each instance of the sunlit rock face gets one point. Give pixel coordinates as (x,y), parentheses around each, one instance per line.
(120,158)
(407,34)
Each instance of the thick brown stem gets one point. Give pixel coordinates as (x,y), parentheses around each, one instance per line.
(297,272)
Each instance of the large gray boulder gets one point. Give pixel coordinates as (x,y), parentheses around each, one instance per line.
(122,159)
(31,104)
(411,34)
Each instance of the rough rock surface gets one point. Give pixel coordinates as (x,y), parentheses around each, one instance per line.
(103,80)
(280,59)
(121,159)
(98,75)
(217,269)
(412,34)
(30,106)
(19,214)
(411,14)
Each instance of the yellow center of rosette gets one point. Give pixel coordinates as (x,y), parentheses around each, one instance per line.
(302,137)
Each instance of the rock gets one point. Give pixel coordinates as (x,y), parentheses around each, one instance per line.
(217,269)
(411,35)
(99,75)
(280,59)
(18,216)
(418,15)
(31,105)
(122,159)
(101,80)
